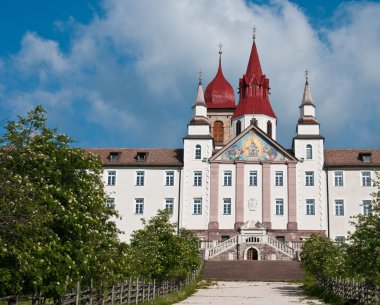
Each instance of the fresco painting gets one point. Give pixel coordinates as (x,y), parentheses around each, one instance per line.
(252,147)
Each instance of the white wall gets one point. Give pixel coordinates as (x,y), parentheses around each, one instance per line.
(316,192)
(253,192)
(189,191)
(353,193)
(226,221)
(279,192)
(153,192)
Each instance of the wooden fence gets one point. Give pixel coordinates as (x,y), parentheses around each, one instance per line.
(351,291)
(128,292)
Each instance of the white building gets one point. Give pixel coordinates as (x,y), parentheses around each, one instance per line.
(234,185)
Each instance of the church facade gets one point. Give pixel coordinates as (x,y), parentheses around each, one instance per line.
(234,185)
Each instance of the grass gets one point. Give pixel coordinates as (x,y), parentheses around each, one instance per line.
(313,291)
(176,297)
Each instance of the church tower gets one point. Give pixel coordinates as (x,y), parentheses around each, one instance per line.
(198,148)
(254,106)
(308,147)
(220,101)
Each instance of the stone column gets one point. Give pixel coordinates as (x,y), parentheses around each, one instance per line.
(267,183)
(239,195)
(214,197)
(292,196)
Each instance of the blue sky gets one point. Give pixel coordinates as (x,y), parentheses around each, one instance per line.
(117,73)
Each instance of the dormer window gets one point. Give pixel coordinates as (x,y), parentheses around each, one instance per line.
(141,156)
(365,157)
(114,156)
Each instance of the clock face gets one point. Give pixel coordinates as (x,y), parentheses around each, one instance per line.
(252,204)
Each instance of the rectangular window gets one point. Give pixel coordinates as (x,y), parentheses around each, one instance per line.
(367,207)
(139,206)
(227,206)
(366,178)
(338,178)
(111,179)
(169,179)
(227,178)
(310,207)
(197,178)
(340,239)
(279,207)
(225,237)
(197,206)
(110,202)
(279,178)
(140,178)
(339,207)
(309,178)
(253,178)
(169,205)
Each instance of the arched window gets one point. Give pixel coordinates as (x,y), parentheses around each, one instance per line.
(269,129)
(309,151)
(238,128)
(198,151)
(218,131)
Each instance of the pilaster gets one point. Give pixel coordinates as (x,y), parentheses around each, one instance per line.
(239,197)
(214,196)
(292,197)
(266,195)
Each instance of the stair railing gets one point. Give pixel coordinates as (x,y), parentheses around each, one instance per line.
(222,247)
(281,247)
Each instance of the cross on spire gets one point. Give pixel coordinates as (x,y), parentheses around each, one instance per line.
(254,32)
(307,76)
(200,77)
(220,47)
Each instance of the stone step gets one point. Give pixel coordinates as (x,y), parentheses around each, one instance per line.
(253,270)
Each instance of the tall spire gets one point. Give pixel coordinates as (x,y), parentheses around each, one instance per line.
(200,98)
(307,123)
(307,98)
(254,67)
(254,88)
(199,106)
(307,108)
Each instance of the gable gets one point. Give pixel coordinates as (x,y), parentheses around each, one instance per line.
(252,146)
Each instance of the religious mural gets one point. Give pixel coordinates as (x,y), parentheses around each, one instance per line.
(252,147)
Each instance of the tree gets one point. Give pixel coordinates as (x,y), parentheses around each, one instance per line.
(55,228)
(322,257)
(364,249)
(159,253)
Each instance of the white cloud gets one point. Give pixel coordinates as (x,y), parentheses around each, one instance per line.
(136,66)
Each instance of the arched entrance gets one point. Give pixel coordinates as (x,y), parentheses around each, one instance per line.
(252,254)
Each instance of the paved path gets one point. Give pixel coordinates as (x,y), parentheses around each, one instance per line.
(255,293)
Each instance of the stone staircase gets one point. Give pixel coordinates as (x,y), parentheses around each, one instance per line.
(243,239)
(253,270)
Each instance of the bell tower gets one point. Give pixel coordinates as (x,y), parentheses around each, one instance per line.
(254,106)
